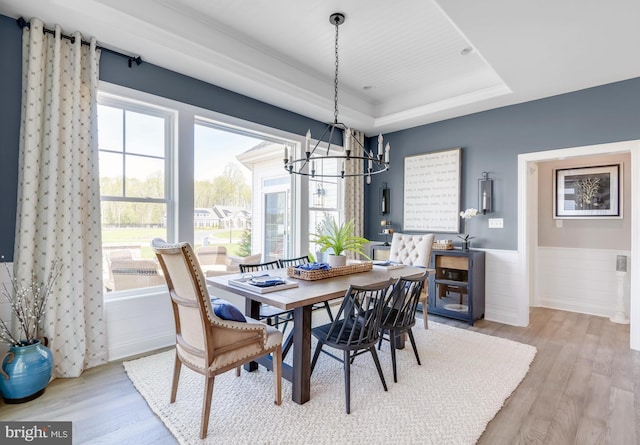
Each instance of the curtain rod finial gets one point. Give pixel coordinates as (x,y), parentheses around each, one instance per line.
(22,22)
(137,60)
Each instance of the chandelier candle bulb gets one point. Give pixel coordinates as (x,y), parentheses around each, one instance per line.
(379,145)
(347,142)
(307,143)
(386,153)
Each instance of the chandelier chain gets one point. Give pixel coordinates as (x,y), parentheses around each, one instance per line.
(352,150)
(335,81)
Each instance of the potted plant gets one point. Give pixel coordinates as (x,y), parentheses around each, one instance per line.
(466,216)
(339,238)
(26,369)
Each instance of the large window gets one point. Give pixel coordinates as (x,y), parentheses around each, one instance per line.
(182,173)
(135,143)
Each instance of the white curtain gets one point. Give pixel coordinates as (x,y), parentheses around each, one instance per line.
(354,192)
(58,215)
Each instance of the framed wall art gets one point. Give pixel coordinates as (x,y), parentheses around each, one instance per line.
(588,192)
(432,192)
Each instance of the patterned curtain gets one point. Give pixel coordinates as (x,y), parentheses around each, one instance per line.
(354,193)
(58,215)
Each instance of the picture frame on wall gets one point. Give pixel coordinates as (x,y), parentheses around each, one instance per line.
(588,192)
(432,191)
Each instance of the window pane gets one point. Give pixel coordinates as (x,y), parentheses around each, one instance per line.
(111,174)
(323,192)
(127,231)
(275,213)
(145,134)
(317,220)
(145,177)
(222,190)
(110,128)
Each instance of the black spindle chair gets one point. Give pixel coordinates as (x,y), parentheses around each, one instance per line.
(273,315)
(355,329)
(305,260)
(399,314)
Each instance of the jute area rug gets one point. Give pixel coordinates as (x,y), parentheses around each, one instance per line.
(463,382)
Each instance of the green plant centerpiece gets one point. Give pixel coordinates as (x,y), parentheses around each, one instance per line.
(339,238)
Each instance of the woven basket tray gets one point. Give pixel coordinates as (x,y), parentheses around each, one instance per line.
(312,275)
(442,246)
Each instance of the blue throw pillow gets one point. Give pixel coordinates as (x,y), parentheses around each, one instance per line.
(226,310)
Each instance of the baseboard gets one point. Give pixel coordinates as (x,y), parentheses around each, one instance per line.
(140,346)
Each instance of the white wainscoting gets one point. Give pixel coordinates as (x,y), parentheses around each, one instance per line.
(142,323)
(502,284)
(579,280)
(138,324)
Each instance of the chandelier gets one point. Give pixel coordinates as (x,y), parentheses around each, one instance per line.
(311,164)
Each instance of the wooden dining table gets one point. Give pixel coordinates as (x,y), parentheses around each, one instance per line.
(301,299)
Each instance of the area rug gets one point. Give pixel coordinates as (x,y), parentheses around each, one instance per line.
(464,380)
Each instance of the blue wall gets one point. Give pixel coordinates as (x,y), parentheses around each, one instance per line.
(490,141)
(10,93)
(145,77)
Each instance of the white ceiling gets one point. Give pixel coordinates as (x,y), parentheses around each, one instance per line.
(408,53)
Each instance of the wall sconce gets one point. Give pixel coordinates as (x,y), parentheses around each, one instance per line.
(485,194)
(385,199)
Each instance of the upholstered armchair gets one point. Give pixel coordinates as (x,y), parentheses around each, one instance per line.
(413,250)
(206,342)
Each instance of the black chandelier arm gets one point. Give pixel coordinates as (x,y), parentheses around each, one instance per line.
(363,158)
(339,175)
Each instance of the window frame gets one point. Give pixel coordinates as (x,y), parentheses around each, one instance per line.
(179,176)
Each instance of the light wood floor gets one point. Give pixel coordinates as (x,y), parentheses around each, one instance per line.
(583,388)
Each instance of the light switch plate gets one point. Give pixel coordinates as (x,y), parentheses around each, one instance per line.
(496,223)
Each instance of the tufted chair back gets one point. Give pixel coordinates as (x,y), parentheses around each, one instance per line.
(411,250)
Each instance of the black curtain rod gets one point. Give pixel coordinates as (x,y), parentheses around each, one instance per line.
(131,60)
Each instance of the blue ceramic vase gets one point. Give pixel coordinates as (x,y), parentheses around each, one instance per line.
(26,371)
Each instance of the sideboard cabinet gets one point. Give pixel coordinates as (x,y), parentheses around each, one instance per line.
(456,289)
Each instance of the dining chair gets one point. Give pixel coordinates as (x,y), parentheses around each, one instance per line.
(399,314)
(354,330)
(205,342)
(413,250)
(273,315)
(306,260)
